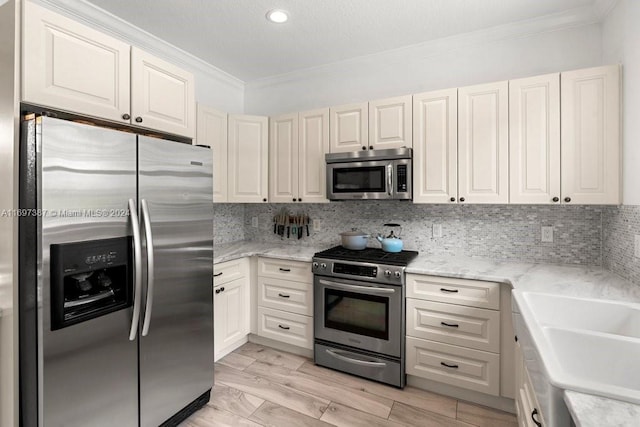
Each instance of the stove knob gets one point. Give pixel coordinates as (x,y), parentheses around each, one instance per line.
(315,265)
(387,273)
(323,265)
(398,274)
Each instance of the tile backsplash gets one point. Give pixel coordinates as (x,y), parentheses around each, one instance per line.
(621,225)
(509,232)
(228,222)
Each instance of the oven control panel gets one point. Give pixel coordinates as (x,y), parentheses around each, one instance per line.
(380,273)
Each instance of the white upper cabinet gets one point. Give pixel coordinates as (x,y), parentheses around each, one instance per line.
(73,67)
(248,158)
(390,123)
(435,147)
(162,95)
(534,139)
(297,145)
(283,158)
(349,126)
(483,143)
(313,145)
(590,117)
(70,66)
(212,131)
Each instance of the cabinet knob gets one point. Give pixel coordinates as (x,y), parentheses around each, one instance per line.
(371,147)
(453,199)
(462,199)
(299,199)
(217,291)
(556,199)
(294,199)
(125,116)
(567,199)
(264,200)
(364,147)
(138,119)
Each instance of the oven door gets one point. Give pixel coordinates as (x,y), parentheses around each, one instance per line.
(360,180)
(367,316)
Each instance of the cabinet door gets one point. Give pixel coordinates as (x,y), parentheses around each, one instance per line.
(483,143)
(435,148)
(212,131)
(70,66)
(283,158)
(349,125)
(313,145)
(534,139)
(248,161)
(162,95)
(591,135)
(231,313)
(390,123)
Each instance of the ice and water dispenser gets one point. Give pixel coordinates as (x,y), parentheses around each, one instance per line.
(89,279)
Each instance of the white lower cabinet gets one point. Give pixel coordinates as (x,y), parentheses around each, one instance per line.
(453,332)
(285,301)
(526,402)
(231,308)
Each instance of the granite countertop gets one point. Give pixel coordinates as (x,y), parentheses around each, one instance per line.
(579,281)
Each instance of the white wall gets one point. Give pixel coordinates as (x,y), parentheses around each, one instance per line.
(479,57)
(621,44)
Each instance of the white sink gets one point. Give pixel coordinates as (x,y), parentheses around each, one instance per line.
(581,344)
(612,317)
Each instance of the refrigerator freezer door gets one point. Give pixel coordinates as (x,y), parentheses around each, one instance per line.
(176,351)
(88,373)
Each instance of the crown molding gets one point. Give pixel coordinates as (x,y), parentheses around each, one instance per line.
(89,14)
(573,18)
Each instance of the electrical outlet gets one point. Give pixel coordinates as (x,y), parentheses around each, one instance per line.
(547,234)
(254,222)
(437,230)
(317,225)
(636,246)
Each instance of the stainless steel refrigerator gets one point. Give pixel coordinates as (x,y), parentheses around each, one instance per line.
(116,260)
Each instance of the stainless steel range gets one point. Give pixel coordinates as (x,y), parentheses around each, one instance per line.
(359,312)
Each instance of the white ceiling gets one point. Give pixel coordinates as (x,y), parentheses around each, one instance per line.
(234,35)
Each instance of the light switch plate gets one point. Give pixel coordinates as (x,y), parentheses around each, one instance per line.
(317,225)
(636,246)
(254,222)
(547,234)
(437,230)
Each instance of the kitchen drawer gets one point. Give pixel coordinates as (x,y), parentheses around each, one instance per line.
(529,402)
(472,293)
(231,270)
(294,297)
(286,327)
(282,269)
(471,327)
(471,369)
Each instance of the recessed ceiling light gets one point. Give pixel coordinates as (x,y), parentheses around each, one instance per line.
(277,16)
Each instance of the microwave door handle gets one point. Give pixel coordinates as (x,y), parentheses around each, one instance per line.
(390,178)
(366,289)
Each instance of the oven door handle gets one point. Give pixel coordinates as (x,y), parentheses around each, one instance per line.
(368,289)
(354,361)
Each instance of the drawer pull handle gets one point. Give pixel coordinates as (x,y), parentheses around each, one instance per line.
(286,328)
(533,414)
(451,325)
(283,295)
(286,270)
(453,291)
(449,366)
(219,274)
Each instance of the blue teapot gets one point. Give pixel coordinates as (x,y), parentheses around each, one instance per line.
(392,242)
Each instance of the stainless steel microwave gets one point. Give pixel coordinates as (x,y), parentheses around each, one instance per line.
(372,174)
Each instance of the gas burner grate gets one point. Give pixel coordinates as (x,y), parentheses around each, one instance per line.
(369,255)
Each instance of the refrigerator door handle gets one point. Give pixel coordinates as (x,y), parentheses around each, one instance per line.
(137,257)
(150,267)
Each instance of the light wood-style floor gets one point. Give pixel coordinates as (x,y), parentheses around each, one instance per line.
(261,386)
